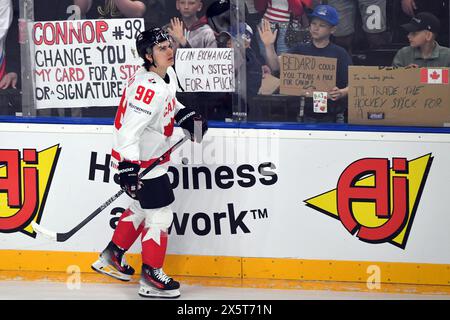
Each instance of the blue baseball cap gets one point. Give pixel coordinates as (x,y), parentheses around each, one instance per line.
(326,13)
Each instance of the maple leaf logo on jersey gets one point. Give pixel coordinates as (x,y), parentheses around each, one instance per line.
(151,80)
(168,130)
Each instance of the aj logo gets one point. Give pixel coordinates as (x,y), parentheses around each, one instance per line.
(374,201)
(24,185)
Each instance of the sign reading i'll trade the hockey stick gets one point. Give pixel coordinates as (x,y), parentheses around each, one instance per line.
(399,96)
(82,63)
(206,69)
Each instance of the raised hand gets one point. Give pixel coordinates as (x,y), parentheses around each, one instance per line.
(9,80)
(268,37)
(408,7)
(176,31)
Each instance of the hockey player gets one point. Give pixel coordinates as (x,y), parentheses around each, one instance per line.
(142,129)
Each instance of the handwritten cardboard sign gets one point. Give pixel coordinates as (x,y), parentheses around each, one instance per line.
(205,69)
(82,63)
(398,96)
(269,85)
(302,75)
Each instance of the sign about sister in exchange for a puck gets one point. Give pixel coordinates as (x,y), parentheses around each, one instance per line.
(82,63)
(206,69)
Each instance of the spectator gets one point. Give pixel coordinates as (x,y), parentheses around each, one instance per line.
(437,7)
(218,15)
(8,78)
(191,31)
(324,20)
(253,18)
(10,96)
(152,11)
(424,50)
(279,14)
(254,67)
(373,14)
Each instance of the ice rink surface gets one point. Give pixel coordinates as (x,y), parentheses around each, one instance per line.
(47,290)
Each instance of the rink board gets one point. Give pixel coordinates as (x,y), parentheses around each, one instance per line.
(273,204)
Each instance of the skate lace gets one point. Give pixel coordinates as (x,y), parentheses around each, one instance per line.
(161,276)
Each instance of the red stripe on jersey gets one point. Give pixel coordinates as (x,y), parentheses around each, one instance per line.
(143,164)
(121,111)
(168,130)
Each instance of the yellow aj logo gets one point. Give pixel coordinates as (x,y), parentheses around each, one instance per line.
(375,201)
(24,184)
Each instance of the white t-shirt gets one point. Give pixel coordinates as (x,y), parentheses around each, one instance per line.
(277,11)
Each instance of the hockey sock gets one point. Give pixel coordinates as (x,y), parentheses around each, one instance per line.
(153,254)
(128,229)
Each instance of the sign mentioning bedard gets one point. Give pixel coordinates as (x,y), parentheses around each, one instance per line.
(399,96)
(205,70)
(302,75)
(82,63)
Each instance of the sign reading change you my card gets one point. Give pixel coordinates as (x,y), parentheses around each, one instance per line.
(205,70)
(302,75)
(82,63)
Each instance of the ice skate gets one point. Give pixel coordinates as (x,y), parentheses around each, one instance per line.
(112,263)
(155,283)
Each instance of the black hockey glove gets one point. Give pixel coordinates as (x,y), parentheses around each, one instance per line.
(129,178)
(193,122)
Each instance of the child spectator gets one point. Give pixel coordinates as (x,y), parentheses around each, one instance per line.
(324,20)
(254,68)
(191,31)
(218,14)
(424,50)
(440,8)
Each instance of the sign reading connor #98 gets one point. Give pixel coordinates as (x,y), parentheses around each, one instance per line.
(82,63)
(376,201)
(25,178)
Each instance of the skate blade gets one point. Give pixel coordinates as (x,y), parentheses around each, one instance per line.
(102,267)
(150,292)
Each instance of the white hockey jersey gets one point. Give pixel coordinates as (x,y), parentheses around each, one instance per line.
(145,120)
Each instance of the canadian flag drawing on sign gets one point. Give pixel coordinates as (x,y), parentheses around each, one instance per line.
(434,76)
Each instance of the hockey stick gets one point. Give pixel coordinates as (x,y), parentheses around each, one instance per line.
(61,237)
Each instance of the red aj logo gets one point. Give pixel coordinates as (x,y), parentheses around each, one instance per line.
(24,185)
(374,201)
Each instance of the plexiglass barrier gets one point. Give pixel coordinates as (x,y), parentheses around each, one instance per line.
(305,61)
